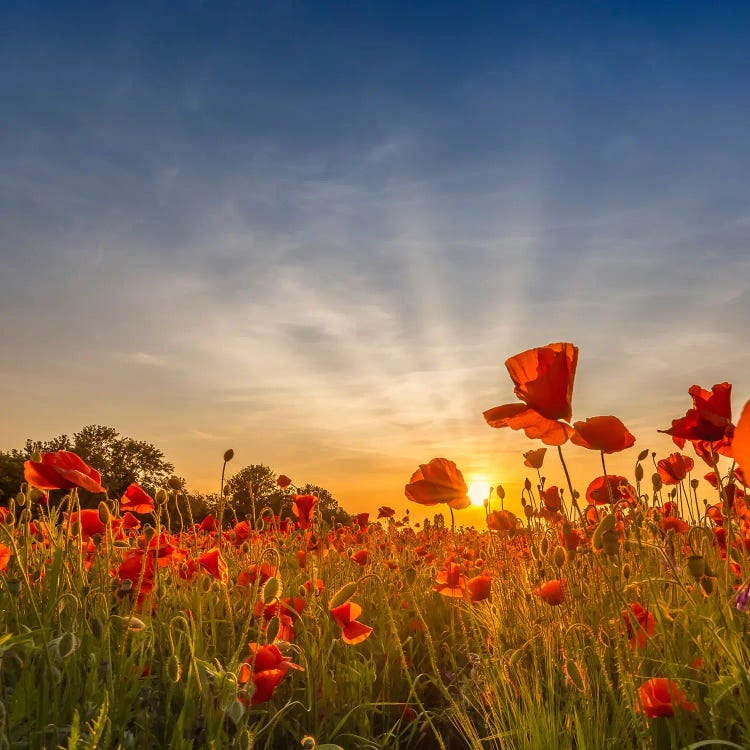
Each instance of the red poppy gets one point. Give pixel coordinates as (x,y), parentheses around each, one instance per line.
(303,507)
(89,522)
(639,623)
(552,592)
(264,571)
(4,557)
(62,470)
(283,481)
(674,468)
(346,617)
(741,443)
(597,492)
(208,523)
(708,425)
(360,557)
(551,498)
(544,382)
(136,500)
(606,434)
(439,481)
(361,520)
(214,563)
(129,521)
(450,582)
(478,588)
(535,458)
(266,667)
(385,512)
(501,520)
(661,696)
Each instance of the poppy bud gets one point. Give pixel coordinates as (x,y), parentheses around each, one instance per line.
(271,590)
(638,473)
(696,566)
(571,554)
(544,546)
(527,484)
(25,517)
(175,483)
(148,532)
(656,481)
(707,584)
(227,490)
(643,454)
(528,511)
(161,496)
(174,668)
(14,585)
(574,674)
(343,595)
(308,743)
(559,556)
(273,629)
(500,492)
(104,514)
(610,543)
(96,539)
(66,644)
(228,455)
(20,499)
(410,575)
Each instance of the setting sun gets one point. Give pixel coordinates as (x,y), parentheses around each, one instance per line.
(479,490)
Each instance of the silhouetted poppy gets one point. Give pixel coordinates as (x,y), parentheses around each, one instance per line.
(661,696)
(136,500)
(534,458)
(62,470)
(607,434)
(360,557)
(302,507)
(501,520)
(551,498)
(385,512)
(346,617)
(543,379)
(708,425)
(439,481)
(674,468)
(283,481)
(361,520)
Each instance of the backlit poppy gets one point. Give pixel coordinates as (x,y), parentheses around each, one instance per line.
(136,500)
(214,563)
(551,498)
(478,588)
(62,470)
(303,507)
(450,582)
(543,379)
(741,442)
(283,481)
(606,434)
(597,493)
(674,468)
(385,512)
(501,520)
(534,458)
(552,592)
(439,481)
(639,623)
(346,617)
(708,425)
(661,696)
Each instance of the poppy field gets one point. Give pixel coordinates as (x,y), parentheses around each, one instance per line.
(608,612)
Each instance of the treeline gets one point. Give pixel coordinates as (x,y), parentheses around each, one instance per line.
(122,460)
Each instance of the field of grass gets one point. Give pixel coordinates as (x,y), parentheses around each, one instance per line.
(611,617)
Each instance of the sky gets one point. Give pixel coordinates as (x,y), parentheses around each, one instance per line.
(314,231)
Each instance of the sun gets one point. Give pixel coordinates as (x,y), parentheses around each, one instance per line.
(479,491)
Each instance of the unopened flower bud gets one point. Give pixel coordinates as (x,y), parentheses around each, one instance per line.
(228,455)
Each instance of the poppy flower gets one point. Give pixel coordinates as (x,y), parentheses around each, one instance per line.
(674,468)
(361,520)
(360,557)
(385,512)
(708,425)
(661,696)
(597,493)
(551,498)
(552,592)
(439,481)
(4,557)
(89,522)
(302,507)
(501,520)
(534,458)
(283,481)
(136,500)
(606,434)
(741,443)
(346,617)
(62,470)
(478,588)
(543,379)
(266,667)
(214,563)
(639,623)
(450,582)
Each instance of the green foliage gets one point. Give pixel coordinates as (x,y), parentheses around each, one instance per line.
(11,475)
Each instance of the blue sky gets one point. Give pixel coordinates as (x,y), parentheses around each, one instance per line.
(315,231)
